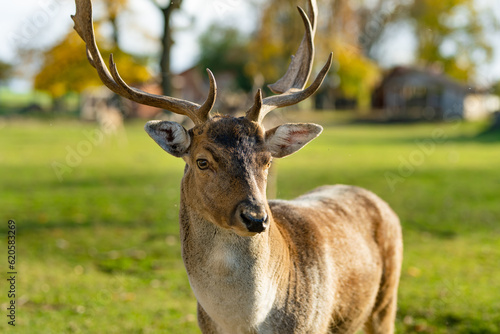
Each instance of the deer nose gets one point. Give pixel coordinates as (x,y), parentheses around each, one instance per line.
(254,217)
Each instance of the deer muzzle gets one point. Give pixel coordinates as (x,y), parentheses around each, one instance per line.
(253,216)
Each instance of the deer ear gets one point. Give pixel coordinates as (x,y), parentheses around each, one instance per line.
(289,138)
(171,136)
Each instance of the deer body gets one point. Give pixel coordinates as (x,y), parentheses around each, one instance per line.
(266,285)
(326,262)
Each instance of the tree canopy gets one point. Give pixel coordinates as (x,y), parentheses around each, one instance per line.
(226,49)
(450,34)
(65,66)
(281,30)
(5,71)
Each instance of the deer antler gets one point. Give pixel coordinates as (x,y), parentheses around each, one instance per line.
(84,27)
(291,85)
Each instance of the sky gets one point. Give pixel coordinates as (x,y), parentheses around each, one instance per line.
(41,23)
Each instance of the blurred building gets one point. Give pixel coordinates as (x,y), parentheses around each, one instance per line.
(193,85)
(424,94)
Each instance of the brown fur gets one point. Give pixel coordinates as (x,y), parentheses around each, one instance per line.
(328,263)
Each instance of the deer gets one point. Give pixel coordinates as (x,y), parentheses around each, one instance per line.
(327,261)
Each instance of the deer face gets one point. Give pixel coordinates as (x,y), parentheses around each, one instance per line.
(227,162)
(227,158)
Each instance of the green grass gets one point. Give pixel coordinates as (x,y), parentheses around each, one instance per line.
(98,251)
(36,104)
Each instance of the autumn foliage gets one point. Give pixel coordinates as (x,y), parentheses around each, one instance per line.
(66,67)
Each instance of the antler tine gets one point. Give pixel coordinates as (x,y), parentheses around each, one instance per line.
(301,65)
(291,85)
(84,27)
(294,96)
(254,113)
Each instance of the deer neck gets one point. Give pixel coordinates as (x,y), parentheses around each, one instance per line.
(228,272)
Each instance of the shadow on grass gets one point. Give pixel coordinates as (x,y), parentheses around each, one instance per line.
(488,134)
(454,323)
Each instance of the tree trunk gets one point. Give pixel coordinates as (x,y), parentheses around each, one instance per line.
(114,24)
(113,10)
(167,42)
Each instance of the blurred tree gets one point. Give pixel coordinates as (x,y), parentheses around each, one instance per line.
(277,37)
(354,73)
(281,30)
(226,49)
(5,71)
(58,80)
(495,89)
(167,8)
(65,66)
(451,33)
(113,9)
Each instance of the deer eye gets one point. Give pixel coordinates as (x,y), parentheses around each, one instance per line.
(202,163)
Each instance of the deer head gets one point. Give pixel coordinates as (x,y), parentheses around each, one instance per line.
(227,158)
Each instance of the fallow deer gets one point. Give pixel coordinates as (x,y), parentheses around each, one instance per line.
(326,262)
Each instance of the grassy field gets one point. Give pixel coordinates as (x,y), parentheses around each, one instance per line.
(97,232)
